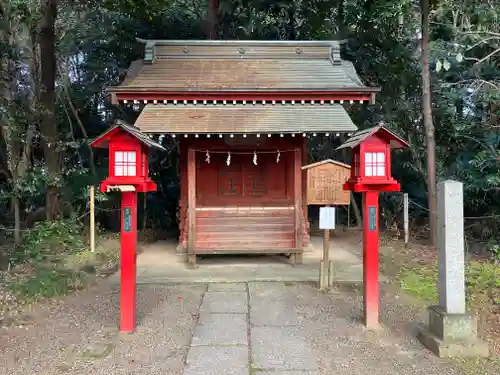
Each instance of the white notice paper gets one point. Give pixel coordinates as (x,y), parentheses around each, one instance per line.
(327,218)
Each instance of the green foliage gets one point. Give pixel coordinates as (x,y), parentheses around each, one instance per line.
(482,282)
(483,276)
(494,249)
(420,282)
(46,282)
(47,240)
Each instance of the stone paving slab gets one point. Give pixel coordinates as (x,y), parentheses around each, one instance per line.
(96,350)
(266,287)
(281,348)
(210,360)
(287,373)
(225,302)
(265,312)
(227,287)
(221,329)
(268,291)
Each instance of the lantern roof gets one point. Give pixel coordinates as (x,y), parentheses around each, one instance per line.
(103,140)
(380,131)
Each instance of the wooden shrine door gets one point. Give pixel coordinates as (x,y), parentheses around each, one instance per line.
(241,182)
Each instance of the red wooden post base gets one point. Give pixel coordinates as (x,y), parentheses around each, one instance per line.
(128,261)
(370,259)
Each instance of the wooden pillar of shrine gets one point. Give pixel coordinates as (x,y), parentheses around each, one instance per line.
(183,201)
(297,196)
(191,182)
(304,184)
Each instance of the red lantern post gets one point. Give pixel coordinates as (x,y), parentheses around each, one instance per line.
(128,174)
(371,174)
(128,239)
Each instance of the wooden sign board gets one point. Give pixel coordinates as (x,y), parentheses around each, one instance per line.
(324,183)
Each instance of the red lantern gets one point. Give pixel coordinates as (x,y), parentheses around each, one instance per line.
(128,158)
(371,173)
(371,160)
(128,173)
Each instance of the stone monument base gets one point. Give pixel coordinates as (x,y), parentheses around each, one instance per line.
(452,335)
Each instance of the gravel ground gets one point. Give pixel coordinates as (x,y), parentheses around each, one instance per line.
(10,306)
(345,347)
(54,341)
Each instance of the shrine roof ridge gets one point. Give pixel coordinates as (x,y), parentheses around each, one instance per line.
(243,42)
(157,50)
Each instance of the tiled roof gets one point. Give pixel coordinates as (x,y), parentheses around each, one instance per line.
(241,65)
(201,119)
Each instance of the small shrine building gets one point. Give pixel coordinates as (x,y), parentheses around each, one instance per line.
(242,112)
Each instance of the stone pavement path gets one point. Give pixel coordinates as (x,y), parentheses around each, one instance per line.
(278,328)
(248,329)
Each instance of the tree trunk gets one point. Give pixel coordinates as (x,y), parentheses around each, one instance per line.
(212,19)
(74,111)
(17,219)
(428,124)
(48,122)
(291,15)
(17,139)
(357,212)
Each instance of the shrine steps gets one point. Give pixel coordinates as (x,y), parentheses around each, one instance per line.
(245,228)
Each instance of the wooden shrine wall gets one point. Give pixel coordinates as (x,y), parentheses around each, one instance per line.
(242,182)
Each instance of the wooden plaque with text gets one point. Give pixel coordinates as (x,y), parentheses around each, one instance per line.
(324,183)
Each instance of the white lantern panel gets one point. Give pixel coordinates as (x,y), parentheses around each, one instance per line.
(125,163)
(368,170)
(131,170)
(374,164)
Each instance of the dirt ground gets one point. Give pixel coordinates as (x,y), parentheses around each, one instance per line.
(78,333)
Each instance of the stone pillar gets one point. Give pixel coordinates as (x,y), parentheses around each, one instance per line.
(451,331)
(450,242)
